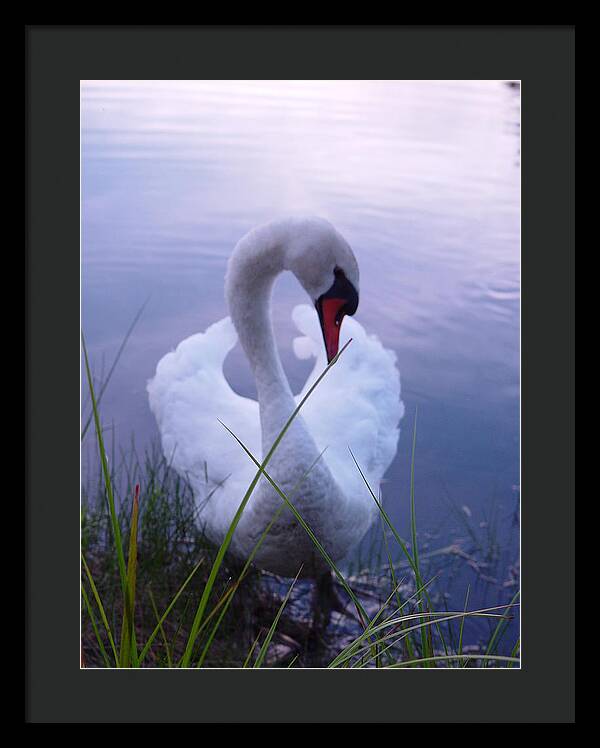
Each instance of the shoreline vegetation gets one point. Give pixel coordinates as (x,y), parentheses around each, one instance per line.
(156,593)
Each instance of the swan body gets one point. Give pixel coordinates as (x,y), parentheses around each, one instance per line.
(357,405)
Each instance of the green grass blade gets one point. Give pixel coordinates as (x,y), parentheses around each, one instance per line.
(236,585)
(387,520)
(368,631)
(248,562)
(411,561)
(106,475)
(169,608)
(114,365)
(162,631)
(224,600)
(95,627)
(499,630)
(361,611)
(265,646)
(373,628)
(421,617)
(462,623)
(440,658)
(235,521)
(413,519)
(128,653)
(516,650)
(100,608)
(395,583)
(426,646)
(251,650)
(434,618)
(180,624)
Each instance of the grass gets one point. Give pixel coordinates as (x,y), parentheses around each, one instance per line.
(175,600)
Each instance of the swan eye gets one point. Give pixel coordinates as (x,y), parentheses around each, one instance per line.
(342,289)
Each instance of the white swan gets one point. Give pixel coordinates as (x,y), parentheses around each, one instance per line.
(357,404)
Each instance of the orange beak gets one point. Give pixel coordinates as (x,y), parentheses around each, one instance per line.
(331,317)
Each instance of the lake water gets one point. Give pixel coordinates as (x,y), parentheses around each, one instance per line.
(421,177)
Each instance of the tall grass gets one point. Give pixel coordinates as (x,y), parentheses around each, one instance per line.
(189,626)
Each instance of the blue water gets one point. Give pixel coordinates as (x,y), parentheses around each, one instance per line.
(423,180)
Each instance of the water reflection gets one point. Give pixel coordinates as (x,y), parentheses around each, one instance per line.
(421,177)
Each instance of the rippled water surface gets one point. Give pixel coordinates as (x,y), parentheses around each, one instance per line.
(421,177)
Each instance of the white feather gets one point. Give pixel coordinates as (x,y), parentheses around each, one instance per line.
(357,406)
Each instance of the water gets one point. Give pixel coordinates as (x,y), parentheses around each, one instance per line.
(421,177)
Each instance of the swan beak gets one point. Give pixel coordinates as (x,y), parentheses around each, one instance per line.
(331,316)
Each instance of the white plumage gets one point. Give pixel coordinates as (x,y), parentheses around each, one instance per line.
(357,406)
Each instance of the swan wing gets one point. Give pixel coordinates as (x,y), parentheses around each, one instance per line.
(188,395)
(357,405)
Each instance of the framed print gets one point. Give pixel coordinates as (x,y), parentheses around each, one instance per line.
(289,365)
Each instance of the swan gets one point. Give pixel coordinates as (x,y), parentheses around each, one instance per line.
(356,405)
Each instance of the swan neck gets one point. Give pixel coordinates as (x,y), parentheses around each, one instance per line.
(253,267)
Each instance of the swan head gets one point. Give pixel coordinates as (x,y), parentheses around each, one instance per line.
(324,264)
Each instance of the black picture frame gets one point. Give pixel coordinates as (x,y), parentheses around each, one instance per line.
(57,690)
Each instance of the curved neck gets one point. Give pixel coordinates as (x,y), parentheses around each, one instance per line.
(256,262)
(253,267)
